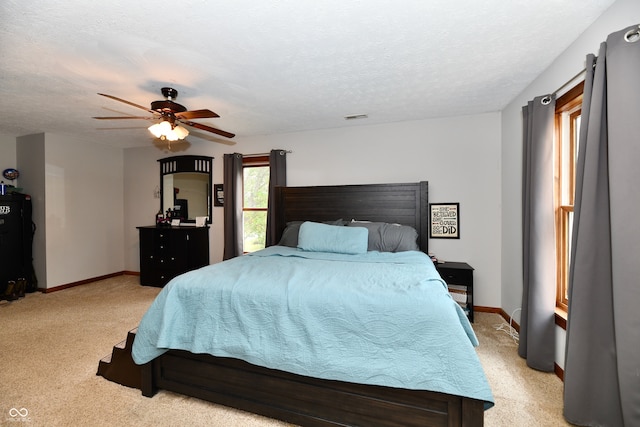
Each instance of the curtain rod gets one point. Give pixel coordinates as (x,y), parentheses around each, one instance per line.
(571,80)
(266,154)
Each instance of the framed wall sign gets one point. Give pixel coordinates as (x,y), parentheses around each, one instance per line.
(445,220)
(218,195)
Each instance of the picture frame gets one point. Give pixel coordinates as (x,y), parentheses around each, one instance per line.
(218,195)
(444,220)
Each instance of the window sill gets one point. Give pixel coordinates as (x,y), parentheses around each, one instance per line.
(561,318)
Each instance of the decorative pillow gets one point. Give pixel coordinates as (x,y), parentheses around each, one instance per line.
(290,233)
(318,237)
(385,237)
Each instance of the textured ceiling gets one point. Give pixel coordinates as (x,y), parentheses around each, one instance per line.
(272,66)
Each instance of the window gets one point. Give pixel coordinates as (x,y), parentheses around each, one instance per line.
(254,207)
(567,126)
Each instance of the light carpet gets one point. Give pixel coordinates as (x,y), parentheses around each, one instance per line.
(50,345)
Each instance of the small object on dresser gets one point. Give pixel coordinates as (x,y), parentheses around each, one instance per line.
(159,217)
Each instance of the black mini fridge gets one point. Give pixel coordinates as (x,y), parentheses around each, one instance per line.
(16,246)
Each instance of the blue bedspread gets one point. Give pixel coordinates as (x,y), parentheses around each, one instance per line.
(352,318)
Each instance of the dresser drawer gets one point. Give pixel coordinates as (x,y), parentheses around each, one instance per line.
(456,276)
(157,278)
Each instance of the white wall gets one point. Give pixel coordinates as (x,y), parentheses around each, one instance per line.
(84,199)
(8,156)
(459,156)
(621,14)
(77,193)
(30,161)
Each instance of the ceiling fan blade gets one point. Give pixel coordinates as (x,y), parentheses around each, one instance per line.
(128,103)
(125,117)
(196,114)
(209,129)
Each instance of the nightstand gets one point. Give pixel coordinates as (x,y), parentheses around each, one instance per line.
(459,278)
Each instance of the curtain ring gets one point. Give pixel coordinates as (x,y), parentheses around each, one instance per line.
(546,100)
(632,35)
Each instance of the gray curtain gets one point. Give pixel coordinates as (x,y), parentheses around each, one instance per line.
(232,185)
(277,177)
(537,322)
(602,363)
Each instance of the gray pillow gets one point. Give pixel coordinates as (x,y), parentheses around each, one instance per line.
(290,233)
(385,237)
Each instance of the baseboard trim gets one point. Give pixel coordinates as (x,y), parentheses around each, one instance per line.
(486,309)
(84,282)
(558,371)
(499,311)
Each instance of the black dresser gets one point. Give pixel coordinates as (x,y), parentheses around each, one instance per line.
(16,239)
(166,252)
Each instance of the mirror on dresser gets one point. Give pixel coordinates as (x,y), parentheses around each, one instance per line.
(185,187)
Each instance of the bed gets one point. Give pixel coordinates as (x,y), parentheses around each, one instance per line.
(315,367)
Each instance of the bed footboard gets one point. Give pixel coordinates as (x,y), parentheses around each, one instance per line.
(303,400)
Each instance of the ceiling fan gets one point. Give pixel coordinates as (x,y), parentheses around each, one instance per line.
(170,113)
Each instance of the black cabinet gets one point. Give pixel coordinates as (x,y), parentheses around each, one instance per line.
(16,240)
(459,278)
(166,252)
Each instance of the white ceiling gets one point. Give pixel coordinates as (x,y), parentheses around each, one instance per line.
(272,66)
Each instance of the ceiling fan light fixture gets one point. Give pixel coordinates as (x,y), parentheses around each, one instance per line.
(163,130)
(180,132)
(160,129)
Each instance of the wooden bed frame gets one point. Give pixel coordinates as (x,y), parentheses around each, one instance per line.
(310,401)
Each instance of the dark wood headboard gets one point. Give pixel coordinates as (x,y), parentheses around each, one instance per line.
(406,204)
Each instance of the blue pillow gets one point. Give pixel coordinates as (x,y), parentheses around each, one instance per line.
(317,237)
(290,233)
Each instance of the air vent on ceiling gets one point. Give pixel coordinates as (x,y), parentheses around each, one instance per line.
(355,116)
